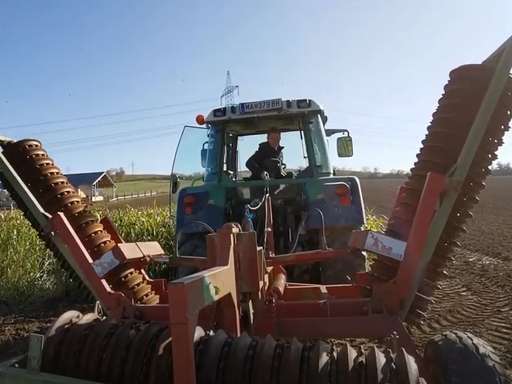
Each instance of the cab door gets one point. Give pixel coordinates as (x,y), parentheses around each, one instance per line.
(196,197)
(188,163)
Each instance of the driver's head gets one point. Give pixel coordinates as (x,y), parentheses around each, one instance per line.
(274,137)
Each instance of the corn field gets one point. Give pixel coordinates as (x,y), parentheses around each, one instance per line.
(27,268)
(144,224)
(29,272)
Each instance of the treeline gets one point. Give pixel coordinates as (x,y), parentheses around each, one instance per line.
(119,174)
(364,173)
(502,169)
(375,173)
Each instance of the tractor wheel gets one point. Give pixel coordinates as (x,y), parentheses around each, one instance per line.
(460,357)
(194,245)
(335,271)
(343,270)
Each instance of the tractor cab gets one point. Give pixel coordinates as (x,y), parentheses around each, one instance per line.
(311,208)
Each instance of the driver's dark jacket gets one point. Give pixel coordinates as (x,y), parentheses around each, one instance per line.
(256,163)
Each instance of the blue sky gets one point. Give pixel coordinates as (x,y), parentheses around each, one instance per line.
(377,68)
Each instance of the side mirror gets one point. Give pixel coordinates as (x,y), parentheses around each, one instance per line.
(204,154)
(174,183)
(344,146)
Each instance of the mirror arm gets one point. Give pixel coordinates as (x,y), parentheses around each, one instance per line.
(330,132)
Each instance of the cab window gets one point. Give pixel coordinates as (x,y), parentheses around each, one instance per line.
(294,152)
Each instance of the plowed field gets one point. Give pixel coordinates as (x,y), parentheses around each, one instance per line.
(476,295)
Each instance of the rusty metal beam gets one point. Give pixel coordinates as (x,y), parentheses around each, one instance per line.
(190,294)
(306,257)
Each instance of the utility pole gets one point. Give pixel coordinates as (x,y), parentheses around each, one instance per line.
(228,94)
(133,166)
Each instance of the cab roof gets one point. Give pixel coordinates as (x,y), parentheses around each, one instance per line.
(263,115)
(264,109)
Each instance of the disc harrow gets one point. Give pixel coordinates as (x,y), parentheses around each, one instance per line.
(55,194)
(442,145)
(92,348)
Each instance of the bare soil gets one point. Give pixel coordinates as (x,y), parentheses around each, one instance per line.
(16,324)
(476,295)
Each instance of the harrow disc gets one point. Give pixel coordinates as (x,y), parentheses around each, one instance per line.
(135,352)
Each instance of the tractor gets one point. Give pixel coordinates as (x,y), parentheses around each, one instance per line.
(310,207)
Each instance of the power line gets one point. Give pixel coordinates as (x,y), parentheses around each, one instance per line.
(116,122)
(117,142)
(98,116)
(149,136)
(364,135)
(121,122)
(116,135)
(357,131)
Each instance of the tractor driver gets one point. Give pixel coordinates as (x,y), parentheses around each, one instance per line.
(267,161)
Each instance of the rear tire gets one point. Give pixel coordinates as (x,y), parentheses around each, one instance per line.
(341,270)
(193,245)
(460,357)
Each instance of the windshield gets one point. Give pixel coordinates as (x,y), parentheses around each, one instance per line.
(230,146)
(294,151)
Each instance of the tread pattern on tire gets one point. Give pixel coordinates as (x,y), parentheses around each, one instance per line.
(460,357)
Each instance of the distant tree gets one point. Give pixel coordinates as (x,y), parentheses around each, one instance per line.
(120,173)
(502,169)
(396,173)
(366,173)
(191,176)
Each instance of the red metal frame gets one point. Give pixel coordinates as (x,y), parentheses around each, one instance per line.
(188,296)
(236,268)
(114,303)
(306,257)
(399,290)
